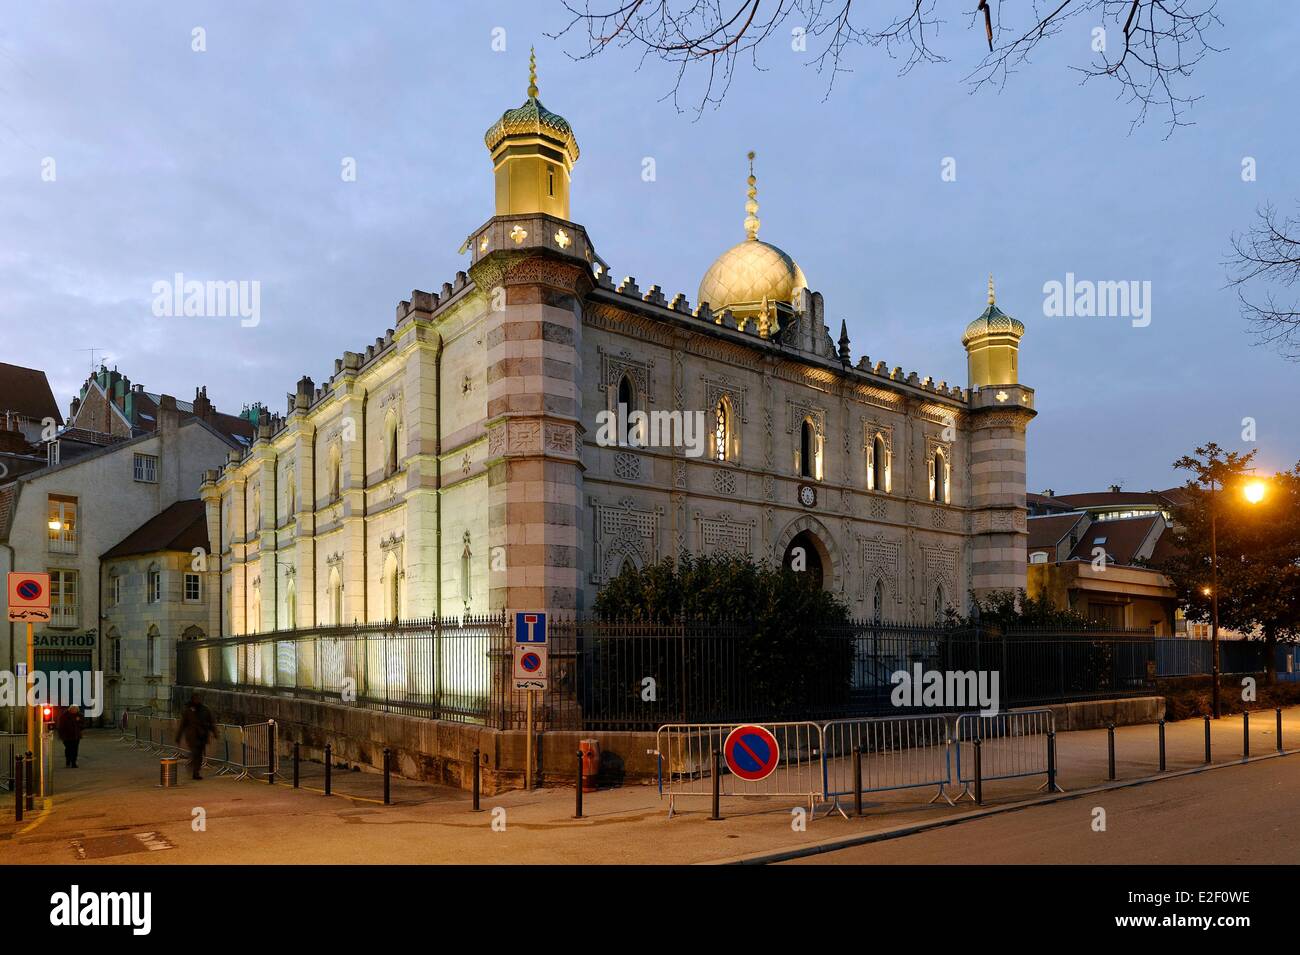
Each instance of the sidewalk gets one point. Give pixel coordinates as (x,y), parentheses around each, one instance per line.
(112,810)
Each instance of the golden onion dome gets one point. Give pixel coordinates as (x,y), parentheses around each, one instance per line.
(748,273)
(533,119)
(992,321)
(751,273)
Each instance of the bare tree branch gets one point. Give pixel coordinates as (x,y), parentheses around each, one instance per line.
(1162,40)
(1269,252)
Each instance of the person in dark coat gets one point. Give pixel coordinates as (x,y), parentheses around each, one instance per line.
(70,726)
(196,727)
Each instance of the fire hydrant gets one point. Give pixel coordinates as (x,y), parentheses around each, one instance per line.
(590,750)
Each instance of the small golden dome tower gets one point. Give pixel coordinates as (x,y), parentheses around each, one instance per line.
(752,274)
(533,152)
(992,346)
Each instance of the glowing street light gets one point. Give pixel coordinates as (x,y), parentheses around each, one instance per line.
(1253,491)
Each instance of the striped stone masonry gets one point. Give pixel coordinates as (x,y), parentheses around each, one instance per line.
(532,339)
(999,537)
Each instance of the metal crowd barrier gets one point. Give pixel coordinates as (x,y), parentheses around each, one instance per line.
(130,723)
(1012,744)
(898,752)
(258,750)
(686,762)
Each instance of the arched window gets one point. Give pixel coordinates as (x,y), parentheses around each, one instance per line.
(940,477)
(153,592)
(721,424)
(878,601)
(879,465)
(625,407)
(392,588)
(255,510)
(291,606)
(938,605)
(806,445)
(290,495)
(151,652)
(390,446)
(336,473)
(550,181)
(335,598)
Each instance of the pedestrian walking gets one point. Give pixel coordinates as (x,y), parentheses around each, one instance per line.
(197,727)
(70,726)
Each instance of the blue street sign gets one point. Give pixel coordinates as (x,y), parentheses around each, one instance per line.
(530,627)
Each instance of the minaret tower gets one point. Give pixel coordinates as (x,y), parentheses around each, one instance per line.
(533,152)
(1000,410)
(533,266)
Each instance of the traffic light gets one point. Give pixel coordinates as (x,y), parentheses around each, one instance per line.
(47,714)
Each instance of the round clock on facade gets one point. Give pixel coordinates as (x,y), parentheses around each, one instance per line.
(807,495)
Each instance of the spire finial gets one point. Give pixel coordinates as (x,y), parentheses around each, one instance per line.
(751,203)
(991,296)
(532,72)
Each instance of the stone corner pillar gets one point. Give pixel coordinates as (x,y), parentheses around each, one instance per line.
(999,416)
(534,287)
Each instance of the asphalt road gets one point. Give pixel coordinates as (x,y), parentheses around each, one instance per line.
(1248,814)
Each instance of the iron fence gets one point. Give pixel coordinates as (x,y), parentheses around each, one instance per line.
(608,676)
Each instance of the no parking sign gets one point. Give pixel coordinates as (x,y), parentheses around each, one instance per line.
(29,596)
(751,752)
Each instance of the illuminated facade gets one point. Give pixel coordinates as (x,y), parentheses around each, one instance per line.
(456,464)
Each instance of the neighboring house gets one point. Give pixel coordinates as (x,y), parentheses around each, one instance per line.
(1117,504)
(1091,565)
(26,402)
(109,408)
(1067,530)
(464,460)
(158,589)
(62,517)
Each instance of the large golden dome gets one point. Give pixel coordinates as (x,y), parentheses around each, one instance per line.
(753,273)
(748,273)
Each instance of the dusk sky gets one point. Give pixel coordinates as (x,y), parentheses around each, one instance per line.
(225,165)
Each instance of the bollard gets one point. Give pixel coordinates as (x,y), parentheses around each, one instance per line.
(388,771)
(1207,739)
(577,800)
(30,776)
(270,752)
(296,758)
(1110,748)
(1279,729)
(1051,761)
(1162,745)
(717,786)
(476,781)
(857,782)
(979,773)
(18,788)
(1245,734)
(329,769)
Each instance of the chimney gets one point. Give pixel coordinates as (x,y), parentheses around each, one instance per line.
(1049,493)
(1114,489)
(202,406)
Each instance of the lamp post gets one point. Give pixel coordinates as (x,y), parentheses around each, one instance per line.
(1253,492)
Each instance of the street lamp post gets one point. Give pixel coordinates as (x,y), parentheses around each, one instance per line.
(1214,600)
(1253,493)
